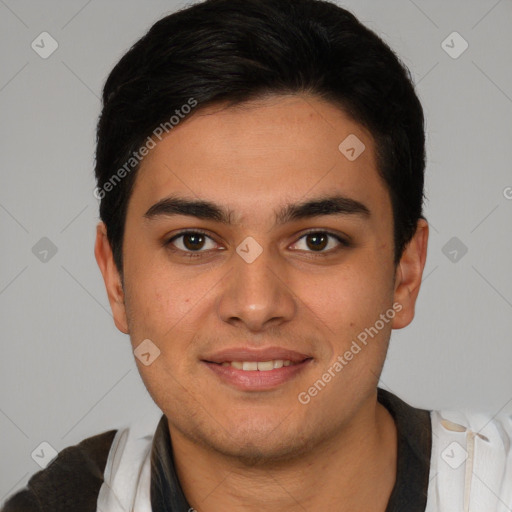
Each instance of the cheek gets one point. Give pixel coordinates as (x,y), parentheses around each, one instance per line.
(161,310)
(153,291)
(357,291)
(168,307)
(351,306)
(153,304)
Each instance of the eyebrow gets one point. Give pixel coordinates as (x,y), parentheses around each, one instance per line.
(207,210)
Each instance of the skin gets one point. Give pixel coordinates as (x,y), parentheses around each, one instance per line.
(253,451)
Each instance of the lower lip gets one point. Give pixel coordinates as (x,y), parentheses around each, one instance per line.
(255,380)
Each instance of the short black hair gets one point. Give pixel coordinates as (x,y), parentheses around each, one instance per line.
(234,51)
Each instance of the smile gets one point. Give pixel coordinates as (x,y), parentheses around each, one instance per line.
(262,366)
(257,375)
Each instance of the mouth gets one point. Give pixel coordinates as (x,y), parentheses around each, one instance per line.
(261,366)
(260,370)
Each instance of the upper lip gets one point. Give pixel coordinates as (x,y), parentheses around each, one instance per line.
(252,354)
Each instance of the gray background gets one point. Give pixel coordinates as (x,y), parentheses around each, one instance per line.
(67,373)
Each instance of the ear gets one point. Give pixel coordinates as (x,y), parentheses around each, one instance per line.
(111,277)
(409,274)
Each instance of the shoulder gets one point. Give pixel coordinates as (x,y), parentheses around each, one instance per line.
(70,482)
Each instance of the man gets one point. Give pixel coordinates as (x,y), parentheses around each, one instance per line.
(260,170)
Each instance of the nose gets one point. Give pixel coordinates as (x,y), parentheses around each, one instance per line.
(256,293)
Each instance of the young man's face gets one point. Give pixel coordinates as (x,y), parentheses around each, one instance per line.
(261,283)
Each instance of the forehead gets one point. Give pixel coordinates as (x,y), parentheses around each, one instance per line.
(263,151)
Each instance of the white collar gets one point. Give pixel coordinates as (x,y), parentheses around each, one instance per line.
(470,466)
(127,475)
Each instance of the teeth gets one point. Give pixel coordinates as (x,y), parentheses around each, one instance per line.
(262,366)
(265,366)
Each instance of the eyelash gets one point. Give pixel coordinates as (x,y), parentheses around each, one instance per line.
(199,254)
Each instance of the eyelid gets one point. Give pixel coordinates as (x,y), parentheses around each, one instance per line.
(342,238)
(198,231)
(344,241)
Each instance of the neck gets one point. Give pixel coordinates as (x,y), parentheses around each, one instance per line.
(354,470)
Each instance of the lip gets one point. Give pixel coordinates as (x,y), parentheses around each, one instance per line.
(251,354)
(256,380)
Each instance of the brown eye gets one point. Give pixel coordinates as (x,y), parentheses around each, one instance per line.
(318,241)
(191,241)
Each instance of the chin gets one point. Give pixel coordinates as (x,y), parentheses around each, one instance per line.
(258,451)
(257,441)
